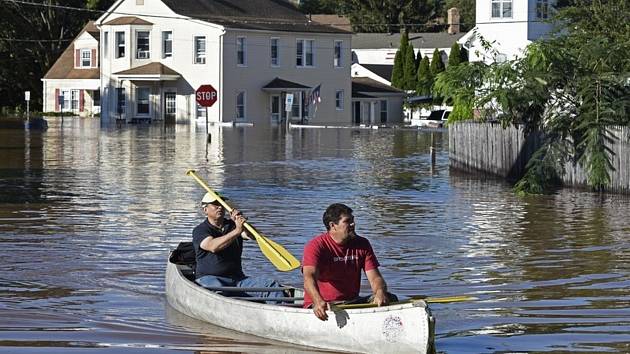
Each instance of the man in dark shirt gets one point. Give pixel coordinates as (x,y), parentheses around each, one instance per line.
(218,244)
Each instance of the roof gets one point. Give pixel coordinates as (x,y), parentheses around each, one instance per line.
(90,28)
(392,40)
(382,70)
(63,68)
(154,68)
(279,83)
(274,15)
(365,85)
(336,21)
(128,20)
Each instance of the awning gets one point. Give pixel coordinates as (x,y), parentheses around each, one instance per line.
(279,85)
(149,72)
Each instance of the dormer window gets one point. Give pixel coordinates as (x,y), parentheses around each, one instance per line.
(501,8)
(86,58)
(142,45)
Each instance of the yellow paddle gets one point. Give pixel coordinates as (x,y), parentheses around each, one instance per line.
(278,255)
(430,300)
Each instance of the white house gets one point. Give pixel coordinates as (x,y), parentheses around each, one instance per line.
(510,25)
(376,103)
(255,53)
(72,82)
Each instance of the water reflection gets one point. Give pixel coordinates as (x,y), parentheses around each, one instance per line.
(88,214)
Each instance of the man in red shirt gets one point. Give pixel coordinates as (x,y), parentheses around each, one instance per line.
(333,261)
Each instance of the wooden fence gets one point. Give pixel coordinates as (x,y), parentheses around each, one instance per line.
(487,148)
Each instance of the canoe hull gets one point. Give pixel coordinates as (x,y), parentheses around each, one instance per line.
(405,328)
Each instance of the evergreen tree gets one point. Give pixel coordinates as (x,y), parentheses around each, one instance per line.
(437,65)
(404,43)
(455,57)
(409,69)
(425,79)
(397,72)
(418,59)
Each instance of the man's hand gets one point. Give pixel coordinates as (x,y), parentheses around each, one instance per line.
(239,219)
(319,309)
(380,298)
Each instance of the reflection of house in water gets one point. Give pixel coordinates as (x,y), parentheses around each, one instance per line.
(21,163)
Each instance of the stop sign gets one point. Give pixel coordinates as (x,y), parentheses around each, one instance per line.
(206,95)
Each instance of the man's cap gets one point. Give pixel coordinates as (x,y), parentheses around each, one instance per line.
(209,198)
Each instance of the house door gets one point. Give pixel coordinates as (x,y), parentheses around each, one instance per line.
(170,107)
(276,108)
(356,112)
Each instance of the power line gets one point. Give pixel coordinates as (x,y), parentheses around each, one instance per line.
(257,20)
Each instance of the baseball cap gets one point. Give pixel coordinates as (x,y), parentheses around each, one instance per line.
(209,198)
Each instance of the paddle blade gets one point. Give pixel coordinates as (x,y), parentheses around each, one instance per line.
(278,255)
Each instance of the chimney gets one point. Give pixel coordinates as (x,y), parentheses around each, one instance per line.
(453,20)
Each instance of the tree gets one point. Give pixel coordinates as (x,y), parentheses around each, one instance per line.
(425,79)
(572,87)
(418,59)
(319,6)
(437,65)
(466,13)
(387,15)
(409,69)
(33,37)
(398,70)
(454,57)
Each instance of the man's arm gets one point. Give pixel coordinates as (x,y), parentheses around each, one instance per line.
(310,286)
(379,287)
(216,244)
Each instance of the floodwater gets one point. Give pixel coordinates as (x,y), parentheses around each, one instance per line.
(88,215)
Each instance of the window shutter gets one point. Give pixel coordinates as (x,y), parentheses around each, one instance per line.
(81,100)
(77,58)
(94,59)
(57,100)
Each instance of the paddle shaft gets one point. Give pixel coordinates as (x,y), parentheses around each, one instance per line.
(431,300)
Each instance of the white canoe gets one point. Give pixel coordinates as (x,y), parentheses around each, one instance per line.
(400,328)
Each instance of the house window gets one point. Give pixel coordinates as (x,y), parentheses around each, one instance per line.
(201,111)
(200,50)
(337,58)
(241,51)
(142,100)
(167,44)
(240,105)
(501,8)
(105,44)
(142,45)
(86,58)
(120,102)
(70,101)
(120,44)
(542,9)
(275,52)
(305,52)
(383,111)
(339,100)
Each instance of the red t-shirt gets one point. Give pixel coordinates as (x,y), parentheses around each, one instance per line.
(339,266)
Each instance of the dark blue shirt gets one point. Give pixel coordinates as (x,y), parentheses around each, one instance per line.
(224,263)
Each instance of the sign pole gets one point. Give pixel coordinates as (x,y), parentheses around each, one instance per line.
(207,131)
(27,98)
